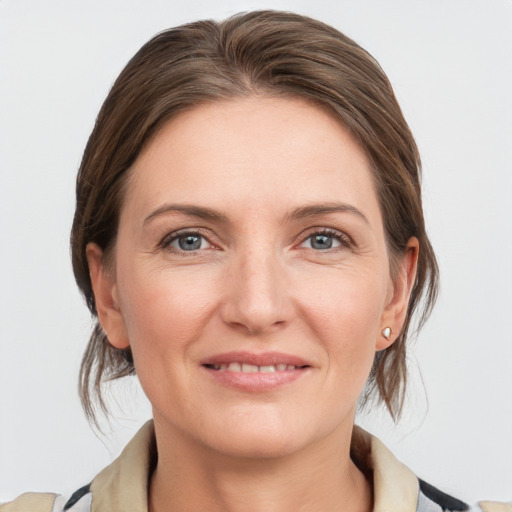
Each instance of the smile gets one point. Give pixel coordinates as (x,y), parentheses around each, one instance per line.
(255,373)
(252,368)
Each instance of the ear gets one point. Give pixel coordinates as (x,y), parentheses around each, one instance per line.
(398,297)
(106,298)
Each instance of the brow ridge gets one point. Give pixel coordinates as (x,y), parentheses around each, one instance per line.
(190,210)
(325,208)
(302,212)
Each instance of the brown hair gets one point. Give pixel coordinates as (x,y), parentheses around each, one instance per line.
(264,52)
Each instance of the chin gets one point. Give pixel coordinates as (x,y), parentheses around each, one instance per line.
(258,445)
(264,437)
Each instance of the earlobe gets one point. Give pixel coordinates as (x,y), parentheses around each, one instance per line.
(396,308)
(106,298)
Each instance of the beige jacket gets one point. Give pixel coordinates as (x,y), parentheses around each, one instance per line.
(123,485)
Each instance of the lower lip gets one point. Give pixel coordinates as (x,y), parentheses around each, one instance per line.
(256,382)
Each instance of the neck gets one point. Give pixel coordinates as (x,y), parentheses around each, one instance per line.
(322,476)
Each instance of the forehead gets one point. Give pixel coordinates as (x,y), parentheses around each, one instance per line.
(259,149)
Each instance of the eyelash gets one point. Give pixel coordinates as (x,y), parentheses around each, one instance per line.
(344,240)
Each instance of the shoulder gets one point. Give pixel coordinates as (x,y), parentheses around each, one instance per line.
(80,501)
(33,501)
(397,488)
(120,486)
(494,506)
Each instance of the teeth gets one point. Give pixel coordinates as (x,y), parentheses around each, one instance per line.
(234,367)
(249,368)
(252,368)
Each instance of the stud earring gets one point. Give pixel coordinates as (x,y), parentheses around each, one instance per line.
(386,332)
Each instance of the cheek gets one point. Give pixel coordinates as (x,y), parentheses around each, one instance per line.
(345,311)
(341,301)
(164,311)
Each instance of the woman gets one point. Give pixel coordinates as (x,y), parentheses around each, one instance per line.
(249,234)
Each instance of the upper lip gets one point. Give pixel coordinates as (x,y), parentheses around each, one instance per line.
(263,359)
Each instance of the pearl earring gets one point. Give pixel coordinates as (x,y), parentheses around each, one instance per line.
(386,333)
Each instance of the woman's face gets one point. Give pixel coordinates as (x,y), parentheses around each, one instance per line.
(251,276)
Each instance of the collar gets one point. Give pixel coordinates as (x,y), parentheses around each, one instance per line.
(123,485)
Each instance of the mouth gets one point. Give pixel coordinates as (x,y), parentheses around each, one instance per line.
(253,368)
(250,372)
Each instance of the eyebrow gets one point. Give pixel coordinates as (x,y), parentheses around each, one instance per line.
(213,215)
(326,208)
(189,210)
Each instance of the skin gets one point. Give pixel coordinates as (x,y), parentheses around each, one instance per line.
(259,281)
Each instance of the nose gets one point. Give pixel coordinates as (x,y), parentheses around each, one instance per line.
(257,299)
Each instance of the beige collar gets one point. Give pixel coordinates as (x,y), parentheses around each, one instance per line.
(123,485)
(395,486)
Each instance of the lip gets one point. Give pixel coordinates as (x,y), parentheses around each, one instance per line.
(262,359)
(256,382)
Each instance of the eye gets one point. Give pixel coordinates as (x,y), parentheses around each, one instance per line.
(186,242)
(325,240)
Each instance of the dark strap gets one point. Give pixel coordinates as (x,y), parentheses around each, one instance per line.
(77,496)
(445,501)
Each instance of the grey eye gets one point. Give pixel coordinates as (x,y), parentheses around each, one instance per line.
(186,241)
(190,242)
(322,241)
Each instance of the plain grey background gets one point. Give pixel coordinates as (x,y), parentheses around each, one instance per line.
(450,62)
